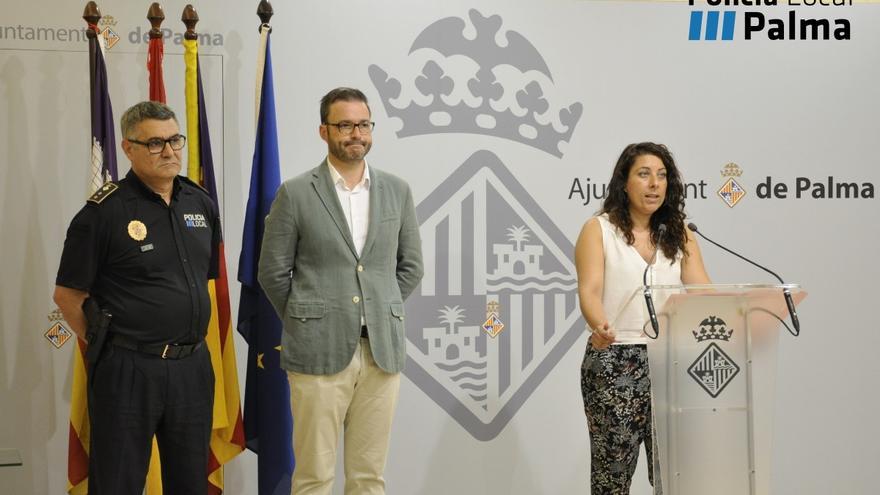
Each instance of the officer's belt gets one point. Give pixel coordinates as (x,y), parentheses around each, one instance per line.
(364,334)
(165,351)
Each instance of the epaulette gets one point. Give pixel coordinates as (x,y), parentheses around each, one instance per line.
(103,193)
(193,183)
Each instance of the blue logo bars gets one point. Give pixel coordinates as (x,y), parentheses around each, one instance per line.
(711,33)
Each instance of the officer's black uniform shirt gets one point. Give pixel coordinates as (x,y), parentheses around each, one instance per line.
(155,288)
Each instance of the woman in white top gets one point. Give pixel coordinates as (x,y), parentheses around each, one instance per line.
(612,252)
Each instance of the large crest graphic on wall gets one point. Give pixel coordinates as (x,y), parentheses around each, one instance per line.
(497,307)
(492,248)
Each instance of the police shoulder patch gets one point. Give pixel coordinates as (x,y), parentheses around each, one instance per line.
(101,194)
(194,183)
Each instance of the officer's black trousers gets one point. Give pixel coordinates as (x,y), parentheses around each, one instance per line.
(133,396)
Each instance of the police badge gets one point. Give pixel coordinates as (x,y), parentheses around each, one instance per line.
(137,230)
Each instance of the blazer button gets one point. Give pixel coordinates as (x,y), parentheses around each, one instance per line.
(303,320)
(360,268)
(401,318)
(355,299)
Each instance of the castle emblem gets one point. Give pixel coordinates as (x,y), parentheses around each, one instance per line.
(731,191)
(495,255)
(497,308)
(479,103)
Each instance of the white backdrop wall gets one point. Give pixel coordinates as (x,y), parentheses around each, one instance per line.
(781,110)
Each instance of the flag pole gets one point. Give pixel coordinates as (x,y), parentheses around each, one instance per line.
(102,166)
(190,18)
(268,423)
(156,16)
(265,12)
(195,169)
(92,15)
(227,433)
(156,81)
(155,53)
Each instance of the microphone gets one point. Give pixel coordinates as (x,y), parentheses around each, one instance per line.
(786,293)
(649,301)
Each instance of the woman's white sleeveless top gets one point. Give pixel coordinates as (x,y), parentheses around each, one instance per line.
(624,267)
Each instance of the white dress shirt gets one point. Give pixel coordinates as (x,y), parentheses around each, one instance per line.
(355,203)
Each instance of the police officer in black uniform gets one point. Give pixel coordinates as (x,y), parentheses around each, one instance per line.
(143,249)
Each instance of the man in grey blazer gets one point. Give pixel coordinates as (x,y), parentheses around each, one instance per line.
(341,252)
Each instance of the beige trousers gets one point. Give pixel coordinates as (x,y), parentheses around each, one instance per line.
(360,399)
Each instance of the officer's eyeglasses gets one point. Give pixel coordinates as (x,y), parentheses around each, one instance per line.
(156,145)
(346,128)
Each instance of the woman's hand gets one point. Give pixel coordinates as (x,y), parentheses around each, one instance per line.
(602,337)
(589,259)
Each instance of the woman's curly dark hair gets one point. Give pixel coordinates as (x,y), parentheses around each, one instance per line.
(671,212)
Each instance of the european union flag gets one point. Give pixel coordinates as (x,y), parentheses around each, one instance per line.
(267,421)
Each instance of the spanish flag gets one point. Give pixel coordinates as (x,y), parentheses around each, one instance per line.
(227,439)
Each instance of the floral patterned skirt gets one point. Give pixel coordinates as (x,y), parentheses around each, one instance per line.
(616,387)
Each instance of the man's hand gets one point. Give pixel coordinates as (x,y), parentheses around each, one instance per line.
(70,302)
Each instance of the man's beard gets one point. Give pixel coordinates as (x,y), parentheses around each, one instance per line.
(343,151)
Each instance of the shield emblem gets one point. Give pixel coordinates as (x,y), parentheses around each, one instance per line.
(731,192)
(487,242)
(713,370)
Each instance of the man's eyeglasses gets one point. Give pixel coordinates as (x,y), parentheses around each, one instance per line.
(347,128)
(156,145)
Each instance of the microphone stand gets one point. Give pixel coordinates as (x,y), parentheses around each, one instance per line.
(649,300)
(786,292)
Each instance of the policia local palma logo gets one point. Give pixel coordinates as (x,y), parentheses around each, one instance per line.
(763,19)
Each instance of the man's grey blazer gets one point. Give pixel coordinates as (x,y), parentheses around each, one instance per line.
(318,285)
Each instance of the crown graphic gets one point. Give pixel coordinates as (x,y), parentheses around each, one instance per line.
(531,124)
(731,170)
(108,21)
(55,315)
(712,328)
(492,307)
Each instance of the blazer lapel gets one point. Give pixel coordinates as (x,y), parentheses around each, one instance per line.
(375,197)
(327,193)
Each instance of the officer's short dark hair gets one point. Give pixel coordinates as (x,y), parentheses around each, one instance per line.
(145,110)
(341,94)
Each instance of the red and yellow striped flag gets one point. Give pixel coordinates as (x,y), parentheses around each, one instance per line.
(227,438)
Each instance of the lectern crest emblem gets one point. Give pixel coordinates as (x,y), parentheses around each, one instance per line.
(713,370)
